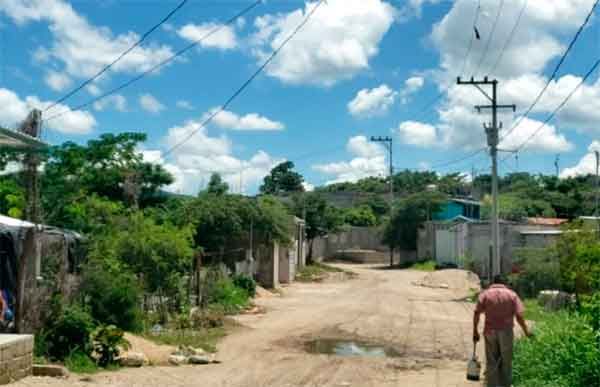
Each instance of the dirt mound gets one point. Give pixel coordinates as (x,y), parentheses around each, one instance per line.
(157,354)
(264,293)
(453,279)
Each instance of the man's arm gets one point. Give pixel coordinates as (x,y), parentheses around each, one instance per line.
(476,317)
(519,313)
(479,308)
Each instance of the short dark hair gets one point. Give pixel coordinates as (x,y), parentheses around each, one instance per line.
(499,280)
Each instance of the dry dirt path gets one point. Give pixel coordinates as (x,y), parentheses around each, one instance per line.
(429,328)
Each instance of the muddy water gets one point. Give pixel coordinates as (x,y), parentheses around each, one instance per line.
(350,348)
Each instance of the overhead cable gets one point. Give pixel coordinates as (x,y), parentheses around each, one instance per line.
(160,64)
(111,64)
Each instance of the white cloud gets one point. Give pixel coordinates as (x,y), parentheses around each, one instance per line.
(308,187)
(117,101)
(14,111)
(372,102)
(195,160)
(546,139)
(225,38)
(369,161)
(417,134)
(411,86)
(93,89)
(585,166)
(336,44)
(183,104)
(151,104)
(57,81)
(248,122)
(82,48)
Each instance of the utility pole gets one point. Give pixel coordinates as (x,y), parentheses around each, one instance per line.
(491,131)
(388,142)
(31,127)
(556,161)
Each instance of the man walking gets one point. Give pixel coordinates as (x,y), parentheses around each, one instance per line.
(500,306)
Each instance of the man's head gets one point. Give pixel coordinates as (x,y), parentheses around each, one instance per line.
(499,280)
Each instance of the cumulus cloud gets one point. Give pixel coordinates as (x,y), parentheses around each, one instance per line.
(14,111)
(81,47)
(546,139)
(183,104)
(199,157)
(249,122)
(150,104)
(117,101)
(57,81)
(372,102)
(411,86)
(585,166)
(417,134)
(337,43)
(369,160)
(224,39)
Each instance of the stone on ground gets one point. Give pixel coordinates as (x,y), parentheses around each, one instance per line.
(177,360)
(133,359)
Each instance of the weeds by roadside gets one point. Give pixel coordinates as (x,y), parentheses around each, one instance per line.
(427,266)
(317,272)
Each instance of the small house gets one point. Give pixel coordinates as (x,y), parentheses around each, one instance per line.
(456,207)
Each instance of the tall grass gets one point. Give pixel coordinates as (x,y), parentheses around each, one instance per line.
(564,352)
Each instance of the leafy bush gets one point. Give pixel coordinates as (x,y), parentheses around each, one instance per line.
(538,269)
(107,341)
(113,296)
(590,308)
(246,283)
(206,318)
(229,296)
(69,331)
(424,266)
(80,363)
(563,352)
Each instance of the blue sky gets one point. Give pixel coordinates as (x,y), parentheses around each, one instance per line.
(358,68)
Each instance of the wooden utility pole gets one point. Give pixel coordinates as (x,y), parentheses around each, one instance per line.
(491,131)
(556,165)
(31,127)
(389,142)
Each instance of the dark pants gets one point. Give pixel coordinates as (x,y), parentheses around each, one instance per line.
(498,352)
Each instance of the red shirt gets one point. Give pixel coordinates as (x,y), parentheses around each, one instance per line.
(500,305)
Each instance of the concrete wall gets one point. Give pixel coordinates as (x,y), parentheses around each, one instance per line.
(267,265)
(475,240)
(16,357)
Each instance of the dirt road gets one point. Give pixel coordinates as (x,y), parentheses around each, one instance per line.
(427,328)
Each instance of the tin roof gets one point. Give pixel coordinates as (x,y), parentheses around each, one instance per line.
(547,221)
(13,139)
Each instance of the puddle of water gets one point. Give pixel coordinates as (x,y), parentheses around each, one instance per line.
(349,348)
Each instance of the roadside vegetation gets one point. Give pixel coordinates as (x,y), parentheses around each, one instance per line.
(565,348)
(317,272)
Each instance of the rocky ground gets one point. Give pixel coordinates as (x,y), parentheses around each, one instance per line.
(424,326)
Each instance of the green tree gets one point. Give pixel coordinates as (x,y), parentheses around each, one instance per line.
(111,167)
(361,216)
(216,185)
(409,213)
(12,198)
(579,253)
(320,217)
(282,179)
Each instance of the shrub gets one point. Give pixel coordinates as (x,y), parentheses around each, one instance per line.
(590,308)
(107,341)
(80,363)
(113,296)
(229,296)
(563,352)
(207,318)
(246,283)
(69,331)
(538,269)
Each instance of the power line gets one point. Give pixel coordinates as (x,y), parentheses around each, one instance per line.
(107,67)
(489,39)
(511,35)
(477,12)
(161,64)
(555,72)
(562,104)
(247,83)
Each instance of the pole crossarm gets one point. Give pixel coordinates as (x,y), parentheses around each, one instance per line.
(479,108)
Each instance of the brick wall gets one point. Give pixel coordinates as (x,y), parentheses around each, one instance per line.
(16,357)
